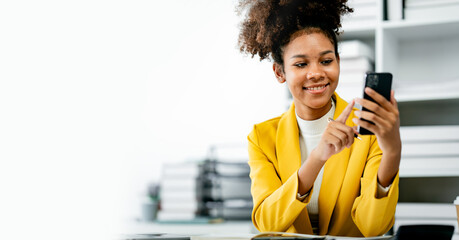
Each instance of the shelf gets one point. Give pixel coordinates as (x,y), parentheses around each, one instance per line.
(429,210)
(405,29)
(425,29)
(426,97)
(417,96)
(424,112)
(422,59)
(353,32)
(417,173)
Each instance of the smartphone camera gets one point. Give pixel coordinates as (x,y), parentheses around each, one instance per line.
(373,81)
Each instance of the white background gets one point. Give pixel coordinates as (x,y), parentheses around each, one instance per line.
(96,95)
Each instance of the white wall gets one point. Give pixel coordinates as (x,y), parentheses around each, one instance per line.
(95,95)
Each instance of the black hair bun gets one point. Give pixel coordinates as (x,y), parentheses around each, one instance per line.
(268,24)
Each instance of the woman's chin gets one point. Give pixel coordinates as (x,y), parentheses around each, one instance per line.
(317,103)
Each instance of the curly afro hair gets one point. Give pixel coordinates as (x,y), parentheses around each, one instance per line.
(269,24)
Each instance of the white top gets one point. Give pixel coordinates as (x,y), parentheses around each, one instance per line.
(310,135)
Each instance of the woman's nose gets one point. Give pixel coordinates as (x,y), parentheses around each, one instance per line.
(314,73)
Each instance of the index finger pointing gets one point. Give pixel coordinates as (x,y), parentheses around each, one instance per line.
(346,112)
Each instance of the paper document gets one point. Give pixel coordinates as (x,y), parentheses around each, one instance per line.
(282,236)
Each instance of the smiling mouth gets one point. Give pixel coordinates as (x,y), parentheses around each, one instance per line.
(316,88)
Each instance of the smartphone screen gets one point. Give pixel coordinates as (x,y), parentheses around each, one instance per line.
(381,83)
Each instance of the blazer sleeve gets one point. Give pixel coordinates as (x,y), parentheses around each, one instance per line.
(275,203)
(374,216)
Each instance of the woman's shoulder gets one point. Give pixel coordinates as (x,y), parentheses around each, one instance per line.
(266,131)
(270,124)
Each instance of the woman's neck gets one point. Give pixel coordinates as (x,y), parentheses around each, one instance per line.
(308,114)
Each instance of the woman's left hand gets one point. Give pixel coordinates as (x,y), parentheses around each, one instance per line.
(385,117)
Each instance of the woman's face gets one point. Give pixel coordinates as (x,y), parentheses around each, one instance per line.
(311,70)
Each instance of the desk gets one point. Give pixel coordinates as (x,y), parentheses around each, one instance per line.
(227,227)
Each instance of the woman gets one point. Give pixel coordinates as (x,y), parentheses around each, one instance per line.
(309,174)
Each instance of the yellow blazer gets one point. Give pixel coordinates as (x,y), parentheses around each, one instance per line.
(347,200)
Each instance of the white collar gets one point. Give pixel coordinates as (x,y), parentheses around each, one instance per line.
(314,127)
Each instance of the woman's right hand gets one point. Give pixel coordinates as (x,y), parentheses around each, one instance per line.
(336,136)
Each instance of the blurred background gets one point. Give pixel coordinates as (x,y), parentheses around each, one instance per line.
(100,101)
(96,95)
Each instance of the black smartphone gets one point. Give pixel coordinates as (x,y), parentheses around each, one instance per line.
(381,83)
(428,232)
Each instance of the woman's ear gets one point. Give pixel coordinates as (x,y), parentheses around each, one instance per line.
(279,72)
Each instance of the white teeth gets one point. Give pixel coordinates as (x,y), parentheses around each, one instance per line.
(315,88)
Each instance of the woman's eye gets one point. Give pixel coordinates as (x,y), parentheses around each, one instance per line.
(326,62)
(301,64)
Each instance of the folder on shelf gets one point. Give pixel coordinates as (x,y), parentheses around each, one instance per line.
(365,13)
(394,10)
(358,64)
(434,10)
(355,49)
(430,150)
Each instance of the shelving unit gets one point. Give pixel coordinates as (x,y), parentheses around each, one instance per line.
(423,57)
(420,54)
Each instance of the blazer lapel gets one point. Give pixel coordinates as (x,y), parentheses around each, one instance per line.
(334,171)
(288,145)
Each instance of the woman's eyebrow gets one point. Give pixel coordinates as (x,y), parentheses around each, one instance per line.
(306,56)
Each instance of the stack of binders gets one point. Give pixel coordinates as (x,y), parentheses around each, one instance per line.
(431,151)
(431,9)
(226,191)
(364,16)
(180,192)
(356,58)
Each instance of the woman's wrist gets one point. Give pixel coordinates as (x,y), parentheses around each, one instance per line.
(307,174)
(388,168)
(315,156)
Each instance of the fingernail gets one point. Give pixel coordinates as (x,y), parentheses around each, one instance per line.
(357,113)
(355,120)
(368,89)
